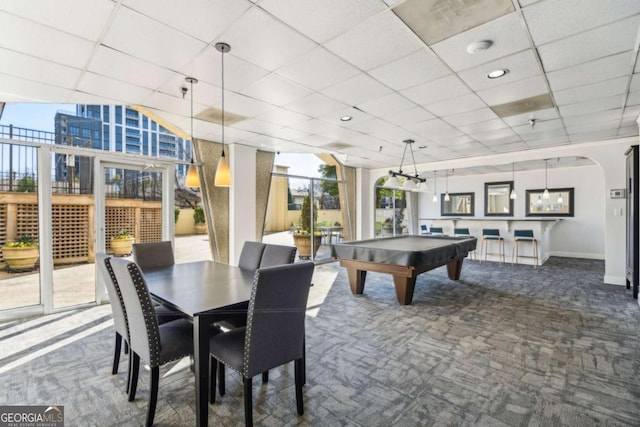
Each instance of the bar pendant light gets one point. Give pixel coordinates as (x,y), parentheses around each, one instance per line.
(192,180)
(223,174)
(435,187)
(545,195)
(513,194)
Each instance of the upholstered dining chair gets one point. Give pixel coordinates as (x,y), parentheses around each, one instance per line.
(153,254)
(154,343)
(251,255)
(274,334)
(117,309)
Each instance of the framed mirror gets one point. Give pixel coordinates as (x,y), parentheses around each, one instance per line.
(496,198)
(559,203)
(459,204)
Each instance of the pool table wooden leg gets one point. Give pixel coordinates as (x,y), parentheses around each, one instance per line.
(356,279)
(454,268)
(404,288)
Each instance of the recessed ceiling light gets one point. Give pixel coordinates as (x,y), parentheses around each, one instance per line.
(496,74)
(345,118)
(479,47)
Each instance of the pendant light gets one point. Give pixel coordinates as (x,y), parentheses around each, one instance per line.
(446,190)
(192,180)
(513,194)
(412,182)
(223,174)
(435,187)
(545,195)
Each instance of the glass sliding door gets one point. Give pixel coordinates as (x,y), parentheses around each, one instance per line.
(391,217)
(19,263)
(72,230)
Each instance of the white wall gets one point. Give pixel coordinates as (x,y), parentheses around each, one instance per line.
(608,155)
(242,199)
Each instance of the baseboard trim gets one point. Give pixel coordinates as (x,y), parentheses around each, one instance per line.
(584,255)
(615,280)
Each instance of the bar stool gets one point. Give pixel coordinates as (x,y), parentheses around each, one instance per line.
(423,229)
(464,232)
(436,231)
(492,235)
(524,236)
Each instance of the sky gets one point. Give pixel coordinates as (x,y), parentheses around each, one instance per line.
(41,117)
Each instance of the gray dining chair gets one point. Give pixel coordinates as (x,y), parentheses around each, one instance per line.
(105,274)
(153,254)
(277,255)
(251,255)
(274,334)
(150,341)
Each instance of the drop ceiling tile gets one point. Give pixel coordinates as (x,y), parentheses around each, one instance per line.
(521,65)
(413,115)
(318,69)
(257,126)
(232,135)
(435,91)
(457,105)
(244,105)
(598,90)
(631,112)
(515,91)
(340,134)
(357,90)
(590,72)
(635,82)
(596,105)
(87,19)
(314,140)
(147,39)
(378,40)
(283,117)
(31,68)
(387,104)
(483,126)
(474,150)
(207,66)
(634,98)
(356,116)
(414,69)
(261,39)
(525,3)
(85,98)
(602,42)
(202,19)
(505,135)
(540,127)
(163,102)
(555,19)
(539,135)
(548,142)
(109,62)
(20,90)
(104,86)
(470,117)
(510,147)
(520,119)
(628,131)
(381,129)
(316,105)
(43,42)
(288,134)
(276,90)
(314,126)
(506,33)
(592,136)
(322,20)
(204,94)
(587,119)
(433,129)
(593,127)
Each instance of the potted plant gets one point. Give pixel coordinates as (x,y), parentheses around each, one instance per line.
(122,243)
(22,254)
(302,238)
(199,221)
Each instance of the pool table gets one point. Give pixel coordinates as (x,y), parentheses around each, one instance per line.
(403,257)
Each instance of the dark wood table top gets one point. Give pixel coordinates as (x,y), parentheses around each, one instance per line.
(200,287)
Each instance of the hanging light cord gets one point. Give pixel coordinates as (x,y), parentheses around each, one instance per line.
(191,83)
(222,77)
(415,169)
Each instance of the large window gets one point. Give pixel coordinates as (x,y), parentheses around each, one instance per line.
(391,210)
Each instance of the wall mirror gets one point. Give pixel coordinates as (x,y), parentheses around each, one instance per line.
(459,204)
(496,198)
(559,203)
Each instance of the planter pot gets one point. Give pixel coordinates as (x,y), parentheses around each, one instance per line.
(303,243)
(122,246)
(387,231)
(200,228)
(24,258)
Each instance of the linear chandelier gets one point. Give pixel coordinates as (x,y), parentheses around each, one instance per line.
(412,182)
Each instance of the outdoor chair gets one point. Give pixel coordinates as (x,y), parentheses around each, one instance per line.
(274,334)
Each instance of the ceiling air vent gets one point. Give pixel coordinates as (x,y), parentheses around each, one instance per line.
(535,103)
(214,115)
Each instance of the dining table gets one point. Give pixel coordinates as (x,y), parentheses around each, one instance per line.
(203,291)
